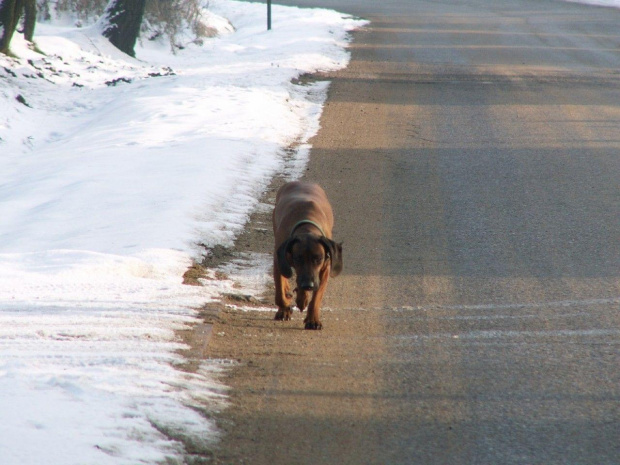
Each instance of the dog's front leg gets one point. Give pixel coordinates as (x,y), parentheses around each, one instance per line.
(283,295)
(303,297)
(313,319)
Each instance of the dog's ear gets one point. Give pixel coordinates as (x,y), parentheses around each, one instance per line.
(283,264)
(334,253)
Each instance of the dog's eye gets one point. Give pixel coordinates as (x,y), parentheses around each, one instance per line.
(318,259)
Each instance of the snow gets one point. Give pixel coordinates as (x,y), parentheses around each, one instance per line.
(612,3)
(112,170)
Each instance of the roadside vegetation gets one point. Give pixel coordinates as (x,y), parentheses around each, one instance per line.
(123,22)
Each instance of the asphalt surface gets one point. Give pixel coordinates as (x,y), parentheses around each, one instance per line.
(471,152)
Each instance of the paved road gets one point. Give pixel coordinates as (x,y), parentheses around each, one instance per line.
(472,153)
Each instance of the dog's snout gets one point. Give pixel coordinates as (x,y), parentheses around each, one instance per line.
(307,285)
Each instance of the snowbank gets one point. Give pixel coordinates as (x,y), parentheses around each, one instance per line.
(112,169)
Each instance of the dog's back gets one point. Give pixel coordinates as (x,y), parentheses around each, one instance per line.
(301,201)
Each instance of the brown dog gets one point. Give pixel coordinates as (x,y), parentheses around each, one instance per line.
(302,225)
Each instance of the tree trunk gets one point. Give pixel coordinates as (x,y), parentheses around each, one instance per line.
(122,20)
(30,18)
(10,11)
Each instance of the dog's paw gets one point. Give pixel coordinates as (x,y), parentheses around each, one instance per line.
(314,325)
(283,314)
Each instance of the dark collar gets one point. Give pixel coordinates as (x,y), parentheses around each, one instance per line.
(298,224)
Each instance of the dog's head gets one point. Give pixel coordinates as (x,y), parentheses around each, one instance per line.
(308,255)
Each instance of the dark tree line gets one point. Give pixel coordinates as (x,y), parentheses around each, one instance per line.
(121,22)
